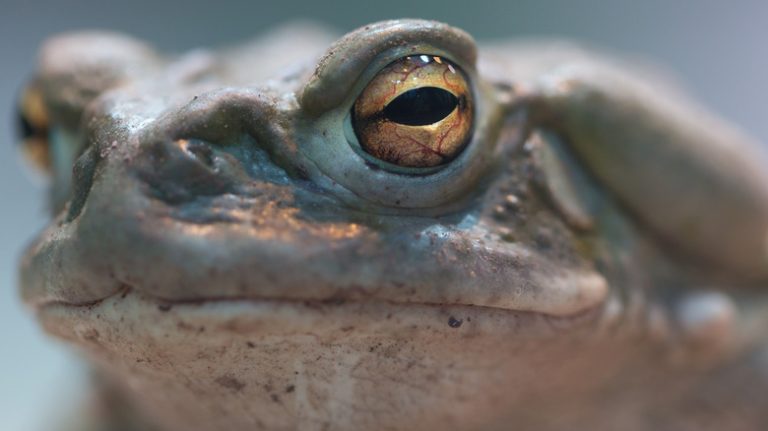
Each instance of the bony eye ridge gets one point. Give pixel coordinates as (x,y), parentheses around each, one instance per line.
(417,112)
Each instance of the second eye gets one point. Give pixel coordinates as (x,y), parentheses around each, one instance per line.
(415,113)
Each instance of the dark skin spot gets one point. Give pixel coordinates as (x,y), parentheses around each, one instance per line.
(301,172)
(454,322)
(230,382)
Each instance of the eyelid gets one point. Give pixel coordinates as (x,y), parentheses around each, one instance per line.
(340,70)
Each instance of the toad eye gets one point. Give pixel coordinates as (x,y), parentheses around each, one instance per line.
(32,128)
(415,113)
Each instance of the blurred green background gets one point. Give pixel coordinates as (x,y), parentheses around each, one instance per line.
(717,48)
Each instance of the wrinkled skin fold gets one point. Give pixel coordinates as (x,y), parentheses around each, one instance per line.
(227,256)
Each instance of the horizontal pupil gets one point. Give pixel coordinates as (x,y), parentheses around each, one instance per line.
(24,129)
(421,106)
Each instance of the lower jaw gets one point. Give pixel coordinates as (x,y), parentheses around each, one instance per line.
(284,365)
(278,365)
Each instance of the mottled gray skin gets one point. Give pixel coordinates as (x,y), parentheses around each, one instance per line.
(596,259)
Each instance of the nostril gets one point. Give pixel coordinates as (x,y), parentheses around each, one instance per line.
(197,150)
(181,170)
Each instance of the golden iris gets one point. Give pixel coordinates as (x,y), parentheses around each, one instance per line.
(33,127)
(416,112)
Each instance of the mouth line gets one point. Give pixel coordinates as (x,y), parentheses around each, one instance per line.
(167,304)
